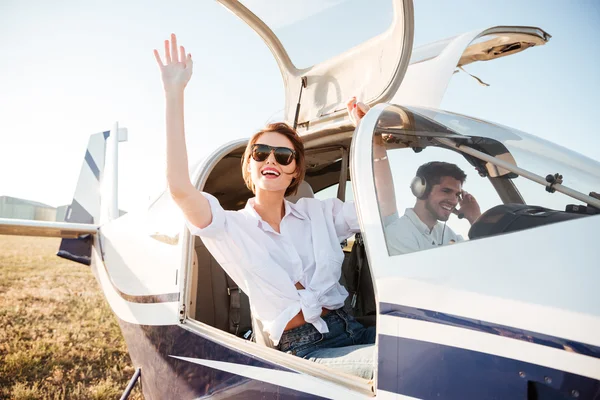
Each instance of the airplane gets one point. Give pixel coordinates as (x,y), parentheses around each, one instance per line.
(514,312)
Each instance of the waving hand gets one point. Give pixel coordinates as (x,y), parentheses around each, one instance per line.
(176,71)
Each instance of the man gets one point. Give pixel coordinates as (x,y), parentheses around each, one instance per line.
(438,188)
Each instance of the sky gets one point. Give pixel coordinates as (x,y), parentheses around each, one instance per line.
(72,68)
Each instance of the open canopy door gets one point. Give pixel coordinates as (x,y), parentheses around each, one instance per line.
(316,95)
(433,65)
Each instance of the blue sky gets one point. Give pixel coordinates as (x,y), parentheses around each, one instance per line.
(72,68)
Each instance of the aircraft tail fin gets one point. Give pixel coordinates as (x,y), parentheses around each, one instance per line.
(95,200)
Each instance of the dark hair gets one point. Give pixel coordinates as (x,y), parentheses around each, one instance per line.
(287,131)
(434,171)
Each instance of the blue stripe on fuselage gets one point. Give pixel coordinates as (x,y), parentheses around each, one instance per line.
(433,371)
(397,310)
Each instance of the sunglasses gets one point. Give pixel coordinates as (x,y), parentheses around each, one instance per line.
(283,155)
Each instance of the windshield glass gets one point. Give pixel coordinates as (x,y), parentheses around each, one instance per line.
(431,195)
(313,31)
(533,154)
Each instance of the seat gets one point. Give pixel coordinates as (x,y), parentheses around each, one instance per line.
(304,190)
(356,278)
(218,300)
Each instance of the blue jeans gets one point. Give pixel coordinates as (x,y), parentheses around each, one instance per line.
(347,347)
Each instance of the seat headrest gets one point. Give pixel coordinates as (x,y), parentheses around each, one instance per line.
(304,190)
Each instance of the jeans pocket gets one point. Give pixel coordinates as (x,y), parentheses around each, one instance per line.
(307,348)
(305,335)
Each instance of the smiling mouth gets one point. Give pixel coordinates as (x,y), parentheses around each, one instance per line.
(270,172)
(446,207)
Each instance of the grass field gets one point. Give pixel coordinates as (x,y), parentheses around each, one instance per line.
(58,337)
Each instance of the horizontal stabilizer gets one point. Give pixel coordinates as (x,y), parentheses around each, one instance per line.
(22,227)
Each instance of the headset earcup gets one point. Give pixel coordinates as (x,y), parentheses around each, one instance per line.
(418,187)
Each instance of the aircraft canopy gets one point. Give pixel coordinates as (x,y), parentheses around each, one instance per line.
(336,49)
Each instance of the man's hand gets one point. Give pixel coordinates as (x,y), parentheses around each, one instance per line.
(469,207)
(177,69)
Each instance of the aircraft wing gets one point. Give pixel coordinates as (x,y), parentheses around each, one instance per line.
(23,227)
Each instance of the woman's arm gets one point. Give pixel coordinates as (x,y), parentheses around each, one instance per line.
(176,73)
(384,182)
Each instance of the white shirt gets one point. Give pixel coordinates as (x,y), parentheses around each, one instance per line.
(408,233)
(266,264)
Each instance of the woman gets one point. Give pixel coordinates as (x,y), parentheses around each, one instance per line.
(285,256)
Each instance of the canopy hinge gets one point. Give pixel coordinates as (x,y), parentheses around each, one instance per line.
(182,313)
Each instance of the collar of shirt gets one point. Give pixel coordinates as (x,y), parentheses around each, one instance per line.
(290,208)
(416,221)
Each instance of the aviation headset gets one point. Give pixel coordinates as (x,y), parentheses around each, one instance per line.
(419,186)
(421,189)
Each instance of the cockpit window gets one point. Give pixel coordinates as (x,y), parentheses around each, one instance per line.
(429,153)
(404,230)
(533,154)
(317,30)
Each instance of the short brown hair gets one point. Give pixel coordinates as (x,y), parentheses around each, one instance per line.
(434,171)
(287,131)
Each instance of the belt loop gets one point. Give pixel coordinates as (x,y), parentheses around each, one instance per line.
(342,314)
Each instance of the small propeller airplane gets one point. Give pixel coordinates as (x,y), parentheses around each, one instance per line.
(514,312)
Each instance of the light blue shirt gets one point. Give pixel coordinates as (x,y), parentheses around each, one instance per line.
(408,234)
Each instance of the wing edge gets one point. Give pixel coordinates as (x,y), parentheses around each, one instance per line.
(67,230)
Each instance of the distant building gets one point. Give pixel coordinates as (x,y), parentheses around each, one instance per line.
(61,212)
(12,207)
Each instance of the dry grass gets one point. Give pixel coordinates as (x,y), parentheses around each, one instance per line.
(58,337)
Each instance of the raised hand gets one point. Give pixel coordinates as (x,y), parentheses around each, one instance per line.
(469,207)
(356,110)
(176,71)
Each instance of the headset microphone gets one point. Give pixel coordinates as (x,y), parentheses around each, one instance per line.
(458,213)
